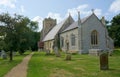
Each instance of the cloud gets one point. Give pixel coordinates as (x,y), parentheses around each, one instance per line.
(22,8)
(115,6)
(55,16)
(81,8)
(0,10)
(50,14)
(98,12)
(84,10)
(39,20)
(8,3)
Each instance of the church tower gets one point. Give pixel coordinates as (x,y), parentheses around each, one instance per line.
(48,24)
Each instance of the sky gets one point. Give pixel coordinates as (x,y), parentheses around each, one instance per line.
(37,10)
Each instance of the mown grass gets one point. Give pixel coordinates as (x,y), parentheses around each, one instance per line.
(6,65)
(80,66)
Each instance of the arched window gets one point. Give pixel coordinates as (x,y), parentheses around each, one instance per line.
(94,37)
(72,40)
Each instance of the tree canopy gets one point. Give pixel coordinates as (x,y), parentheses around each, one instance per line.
(114,30)
(20,33)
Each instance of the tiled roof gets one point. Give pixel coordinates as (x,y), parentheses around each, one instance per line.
(72,26)
(51,35)
(75,24)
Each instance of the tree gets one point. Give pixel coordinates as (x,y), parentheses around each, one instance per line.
(22,33)
(8,23)
(25,30)
(35,38)
(2,44)
(114,30)
(2,35)
(19,32)
(34,35)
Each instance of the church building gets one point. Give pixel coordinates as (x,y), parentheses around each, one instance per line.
(82,36)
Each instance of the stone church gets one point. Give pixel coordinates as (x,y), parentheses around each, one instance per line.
(87,35)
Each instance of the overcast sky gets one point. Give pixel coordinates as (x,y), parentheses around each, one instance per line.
(37,10)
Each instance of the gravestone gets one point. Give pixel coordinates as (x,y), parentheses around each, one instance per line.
(47,52)
(104,61)
(68,56)
(57,53)
(3,55)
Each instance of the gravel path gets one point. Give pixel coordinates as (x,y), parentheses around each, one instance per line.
(21,69)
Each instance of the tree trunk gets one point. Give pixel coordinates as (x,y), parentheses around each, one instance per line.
(11,57)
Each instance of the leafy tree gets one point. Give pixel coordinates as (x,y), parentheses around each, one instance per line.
(114,30)
(19,33)
(2,44)
(35,38)
(8,22)
(25,30)
(33,26)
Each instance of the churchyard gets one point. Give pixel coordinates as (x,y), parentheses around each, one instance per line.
(6,65)
(80,66)
(85,65)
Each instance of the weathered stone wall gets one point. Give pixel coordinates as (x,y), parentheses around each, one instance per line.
(91,24)
(67,38)
(48,45)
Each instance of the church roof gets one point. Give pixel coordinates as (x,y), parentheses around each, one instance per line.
(75,24)
(51,35)
(72,26)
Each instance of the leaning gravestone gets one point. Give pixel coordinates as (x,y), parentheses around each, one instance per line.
(104,61)
(3,55)
(57,53)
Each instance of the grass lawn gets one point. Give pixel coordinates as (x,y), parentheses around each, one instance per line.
(80,66)
(6,66)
